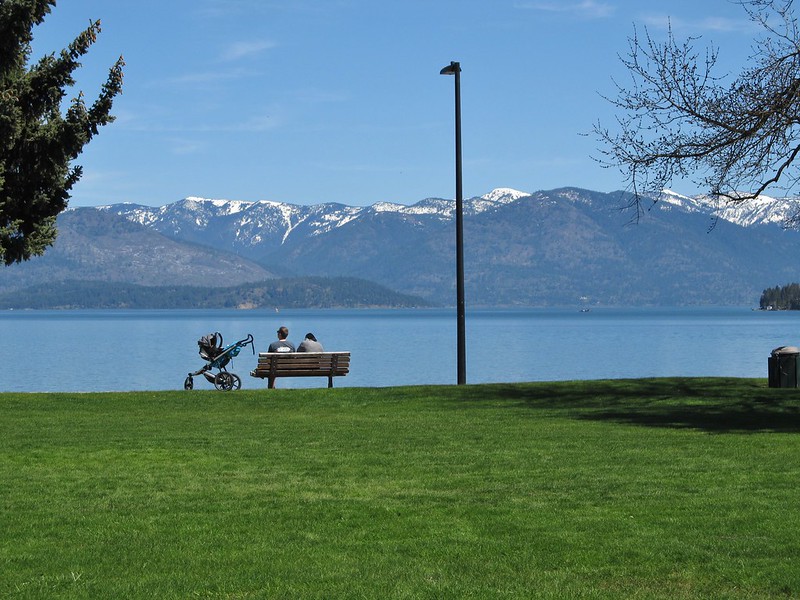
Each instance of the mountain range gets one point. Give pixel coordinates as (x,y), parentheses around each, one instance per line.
(559,247)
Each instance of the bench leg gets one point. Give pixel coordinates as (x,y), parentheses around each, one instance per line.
(271,383)
(330,381)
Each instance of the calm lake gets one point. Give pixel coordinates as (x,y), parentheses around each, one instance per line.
(100,350)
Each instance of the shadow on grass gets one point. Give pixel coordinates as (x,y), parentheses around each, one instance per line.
(717,405)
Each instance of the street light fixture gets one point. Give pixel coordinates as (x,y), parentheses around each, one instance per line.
(454,68)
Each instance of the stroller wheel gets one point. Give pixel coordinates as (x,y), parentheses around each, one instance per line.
(227,381)
(236,383)
(188,383)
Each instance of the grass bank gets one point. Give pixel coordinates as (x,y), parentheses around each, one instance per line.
(655,488)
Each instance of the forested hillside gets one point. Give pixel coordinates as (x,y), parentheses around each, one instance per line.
(785,297)
(305,292)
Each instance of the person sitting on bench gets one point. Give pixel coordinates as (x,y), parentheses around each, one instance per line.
(281,344)
(310,344)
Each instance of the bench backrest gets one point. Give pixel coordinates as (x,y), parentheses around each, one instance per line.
(336,363)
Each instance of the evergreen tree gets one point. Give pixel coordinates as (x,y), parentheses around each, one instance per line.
(781,298)
(38,142)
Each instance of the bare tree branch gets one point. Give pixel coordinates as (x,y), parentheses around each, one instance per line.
(679,120)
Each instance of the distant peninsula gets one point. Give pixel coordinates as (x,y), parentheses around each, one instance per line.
(301,292)
(785,297)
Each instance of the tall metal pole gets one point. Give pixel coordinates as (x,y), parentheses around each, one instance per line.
(455,69)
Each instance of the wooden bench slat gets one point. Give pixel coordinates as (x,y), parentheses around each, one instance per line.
(324,364)
(287,372)
(284,367)
(299,374)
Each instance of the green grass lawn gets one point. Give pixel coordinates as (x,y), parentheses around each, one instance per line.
(653,488)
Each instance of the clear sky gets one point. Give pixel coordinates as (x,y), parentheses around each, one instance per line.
(311,101)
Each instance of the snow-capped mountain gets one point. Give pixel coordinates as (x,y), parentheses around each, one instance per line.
(255,223)
(764,210)
(521,249)
(248,224)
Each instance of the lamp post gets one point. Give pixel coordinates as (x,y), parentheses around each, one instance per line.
(454,68)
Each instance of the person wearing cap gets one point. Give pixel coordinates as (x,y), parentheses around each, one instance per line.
(310,344)
(281,344)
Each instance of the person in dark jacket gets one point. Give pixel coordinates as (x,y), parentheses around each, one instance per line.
(281,344)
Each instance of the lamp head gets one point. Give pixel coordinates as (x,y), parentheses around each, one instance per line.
(451,69)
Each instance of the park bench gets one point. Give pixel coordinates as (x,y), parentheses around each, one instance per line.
(272,365)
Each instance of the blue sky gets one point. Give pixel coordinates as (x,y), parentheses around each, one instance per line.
(310,101)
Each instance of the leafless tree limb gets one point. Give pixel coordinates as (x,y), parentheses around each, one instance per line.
(679,120)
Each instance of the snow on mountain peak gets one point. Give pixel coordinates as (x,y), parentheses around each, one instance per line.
(669,198)
(757,211)
(223,207)
(387,207)
(674,197)
(761,210)
(504,195)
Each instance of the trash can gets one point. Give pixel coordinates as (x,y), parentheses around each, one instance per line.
(783,367)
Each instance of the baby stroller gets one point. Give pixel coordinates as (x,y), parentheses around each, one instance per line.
(218,357)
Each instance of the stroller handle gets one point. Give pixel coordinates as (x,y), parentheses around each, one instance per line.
(247,341)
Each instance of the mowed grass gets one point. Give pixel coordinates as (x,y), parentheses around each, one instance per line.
(656,488)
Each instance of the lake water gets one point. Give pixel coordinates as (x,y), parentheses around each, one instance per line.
(98,350)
